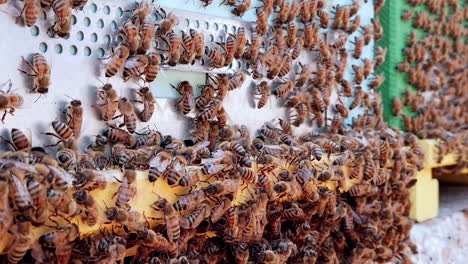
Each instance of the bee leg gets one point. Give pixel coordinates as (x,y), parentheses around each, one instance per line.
(3,117)
(115,117)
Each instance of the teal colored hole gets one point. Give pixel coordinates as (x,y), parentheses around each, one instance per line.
(100,23)
(34,31)
(216,26)
(43,47)
(197,24)
(94,37)
(207,25)
(119,38)
(73,19)
(233,29)
(225,28)
(87,51)
(58,48)
(107,39)
(93,8)
(106,10)
(80,35)
(100,53)
(73,50)
(155,44)
(119,12)
(113,26)
(187,22)
(87,21)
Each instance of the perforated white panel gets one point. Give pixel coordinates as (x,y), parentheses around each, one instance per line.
(76,65)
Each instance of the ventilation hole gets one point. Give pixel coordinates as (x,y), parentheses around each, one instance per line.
(106,10)
(93,8)
(207,25)
(220,39)
(211,38)
(193,62)
(73,19)
(230,66)
(197,24)
(119,38)
(187,22)
(87,21)
(155,17)
(43,15)
(58,48)
(94,37)
(34,31)
(233,28)
(80,35)
(119,12)
(50,33)
(225,28)
(87,51)
(100,23)
(239,65)
(216,26)
(107,39)
(73,50)
(43,47)
(181,32)
(155,44)
(113,26)
(100,53)
(202,62)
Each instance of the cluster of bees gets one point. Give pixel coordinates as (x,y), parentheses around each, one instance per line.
(340,195)
(31,10)
(435,67)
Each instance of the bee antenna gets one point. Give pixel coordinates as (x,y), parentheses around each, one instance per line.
(69,96)
(100,81)
(38,98)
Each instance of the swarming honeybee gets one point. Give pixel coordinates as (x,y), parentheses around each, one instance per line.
(241,8)
(167,23)
(74,117)
(63,23)
(109,101)
(264,90)
(41,73)
(30,12)
(92,210)
(146,35)
(132,36)
(130,118)
(117,60)
(148,101)
(19,140)
(9,101)
(135,66)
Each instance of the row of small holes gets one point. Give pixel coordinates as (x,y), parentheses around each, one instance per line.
(207,26)
(106,9)
(73,49)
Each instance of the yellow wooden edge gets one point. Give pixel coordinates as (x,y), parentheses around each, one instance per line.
(146,195)
(425,194)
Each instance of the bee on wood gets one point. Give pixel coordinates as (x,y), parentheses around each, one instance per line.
(61,202)
(127,190)
(263,89)
(92,211)
(194,219)
(171,218)
(23,240)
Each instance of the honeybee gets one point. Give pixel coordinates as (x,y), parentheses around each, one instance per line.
(126,108)
(230,48)
(22,240)
(380,54)
(286,66)
(167,23)
(60,201)
(124,217)
(117,135)
(292,34)
(187,102)
(198,43)
(283,12)
(78,4)
(297,50)
(89,179)
(324,18)
(355,24)
(222,187)
(174,44)
(9,101)
(194,219)
(217,60)
(62,26)
(304,75)
(407,15)
(397,107)
(378,29)
(283,89)
(264,90)
(311,35)
(148,101)
(189,49)
(74,117)
(117,61)
(377,81)
(61,240)
(190,201)
(262,23)
(367,67)
(236,80)
(128,189)
(171,219)
(358,46)
(240,9)
(30,12)
(252,51)
(358,74)
(158,165)
(6,216)
(64,134)
(132,36)
(367,34)
(135,66)
(41,73)
(146,36)
(92,211)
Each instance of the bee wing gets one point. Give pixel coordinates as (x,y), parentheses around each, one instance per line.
(21,188)
(131,63)
(274,147)
(10,10)
(191,101)
(201,145)
(160,165)
(178,167)
(21,166)
(62,174)
(215,168)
